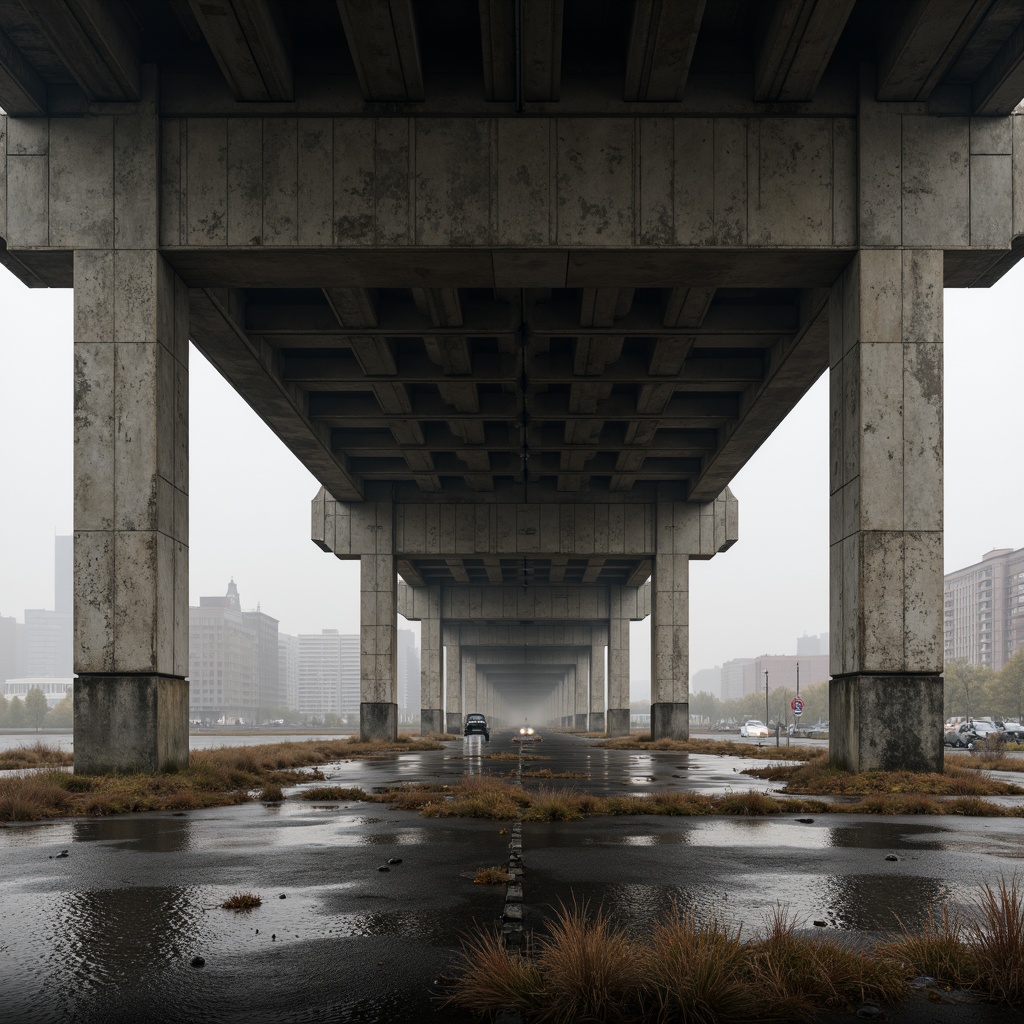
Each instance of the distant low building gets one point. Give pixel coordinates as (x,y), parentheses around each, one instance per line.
(55,690)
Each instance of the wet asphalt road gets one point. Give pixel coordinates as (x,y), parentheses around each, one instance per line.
(109,932)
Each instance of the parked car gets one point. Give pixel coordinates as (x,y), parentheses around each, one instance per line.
(754,728)
(476,725)
(967,734)
(1014,731)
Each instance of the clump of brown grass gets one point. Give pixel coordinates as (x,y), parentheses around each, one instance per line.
(242,901)
(996,939)
(476,797)
(38,755)
(491,876)
(441,737)
(493,978)
(696,974)
(750,804)
(272,793)
(797,975)
(333,793)
(820,778)
(547,773)
(590,966)
(939,950)
(32,797)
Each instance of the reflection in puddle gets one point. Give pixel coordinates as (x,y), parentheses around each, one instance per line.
(145,835)
(889,835)
(878,903)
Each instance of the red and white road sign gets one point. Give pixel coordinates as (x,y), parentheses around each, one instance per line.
(797,704)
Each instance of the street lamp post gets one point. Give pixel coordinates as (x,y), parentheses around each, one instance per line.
(766,716)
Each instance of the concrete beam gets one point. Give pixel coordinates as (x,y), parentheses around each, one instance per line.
(22,91)
(382,40)
(920,43)
(216,317)
(797,47)
(247,40)
(661,42)
(1000,88)
(97,46)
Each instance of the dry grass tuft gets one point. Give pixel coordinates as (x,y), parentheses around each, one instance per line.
(242,901)
(333,793)
(493,978)
(939,950)
(491,876)
(591,968)
(798,975)
(997,940)
(819,778)
(750,804)
(697,974)
(272,793)
(38,755)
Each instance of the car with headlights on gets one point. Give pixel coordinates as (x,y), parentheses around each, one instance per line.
(754,727)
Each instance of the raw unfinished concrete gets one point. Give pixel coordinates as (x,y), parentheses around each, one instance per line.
(519,316)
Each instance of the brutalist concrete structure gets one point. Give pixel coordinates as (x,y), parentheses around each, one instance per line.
(541,263)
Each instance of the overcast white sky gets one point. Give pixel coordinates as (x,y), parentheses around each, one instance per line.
(250,497)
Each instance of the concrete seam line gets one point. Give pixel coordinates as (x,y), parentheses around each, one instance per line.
(512,912)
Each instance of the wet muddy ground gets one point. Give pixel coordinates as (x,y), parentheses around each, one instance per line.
(110,931)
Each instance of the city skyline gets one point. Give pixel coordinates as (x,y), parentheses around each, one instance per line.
(250,497)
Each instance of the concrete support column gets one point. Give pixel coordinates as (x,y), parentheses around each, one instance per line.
(597,705)
(378,662)
(582,690)
(131,506)
(431,660)
(885,699)
(618,666)
(470,683)
(453,687)
(670,627)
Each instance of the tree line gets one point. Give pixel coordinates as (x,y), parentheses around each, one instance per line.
(33,712)
(970,691)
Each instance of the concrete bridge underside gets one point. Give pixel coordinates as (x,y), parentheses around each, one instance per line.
(523,285)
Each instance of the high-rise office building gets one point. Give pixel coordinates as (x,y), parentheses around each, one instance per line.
(288,669)
(408,676)
(8,648)
(47,643)
(320,673)
(983,615)
(233,660)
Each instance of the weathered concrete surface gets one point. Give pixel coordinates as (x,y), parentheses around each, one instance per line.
(431,722)
(378,721)
(618,722)
(670,720)
(130,723)
(886,508)
(886,722)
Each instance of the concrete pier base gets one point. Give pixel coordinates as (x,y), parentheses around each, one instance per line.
(618,722)
(670,721)
(431,721)
(886,722)
(130,723)
(597,721)
(378,721)
(453,723)
(579,722)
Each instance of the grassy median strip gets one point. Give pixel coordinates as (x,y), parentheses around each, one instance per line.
(588,967)
(38,755)
(731,748)
(216,777)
